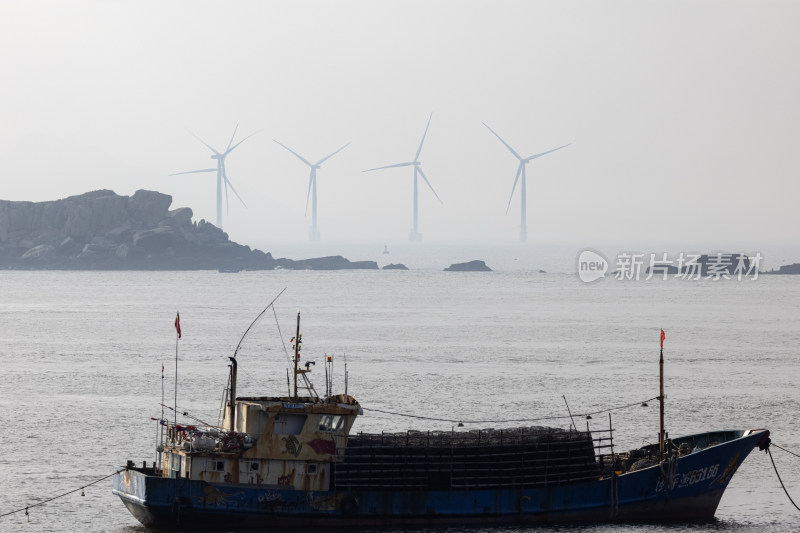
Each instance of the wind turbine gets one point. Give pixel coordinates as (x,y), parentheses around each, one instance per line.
(222,176)
(415,235)
(312,186)
(523,161)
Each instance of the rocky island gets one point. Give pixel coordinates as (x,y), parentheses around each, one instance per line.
(101,230)
(469,266)
(791,270)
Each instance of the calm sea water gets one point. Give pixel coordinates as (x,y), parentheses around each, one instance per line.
(81,356)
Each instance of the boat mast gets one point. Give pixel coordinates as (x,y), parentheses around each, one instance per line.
(661,436)
(296,353)
(232,398)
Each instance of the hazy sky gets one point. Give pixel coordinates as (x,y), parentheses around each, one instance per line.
(683,116)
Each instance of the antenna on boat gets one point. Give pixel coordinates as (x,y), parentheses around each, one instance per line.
(661,437)
(233,393)
(177,338)
(328,374)
(297,342)
(253,323)
(160,423)
(570,413)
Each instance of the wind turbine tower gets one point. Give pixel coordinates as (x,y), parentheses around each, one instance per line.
(313,234)
(222,176)
(523,192)
(415,235)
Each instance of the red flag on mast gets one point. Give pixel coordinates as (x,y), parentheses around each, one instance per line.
(662,339)
(178,325)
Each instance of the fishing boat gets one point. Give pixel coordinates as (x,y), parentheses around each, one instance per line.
(283,461)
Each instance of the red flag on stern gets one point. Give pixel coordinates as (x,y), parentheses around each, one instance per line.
(663,336)
(178,324)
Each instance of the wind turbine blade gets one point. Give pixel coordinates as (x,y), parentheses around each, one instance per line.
(502,141)
(545,153)
(232,148)
(301,158)
(516,179)
(333,154)
(195,171)
(429,185)
(229,184)
(232,136)
(416,157)
(205,143)
(390,166)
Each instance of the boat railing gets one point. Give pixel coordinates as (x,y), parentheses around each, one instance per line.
(478,437)
(148,470)
(523,457)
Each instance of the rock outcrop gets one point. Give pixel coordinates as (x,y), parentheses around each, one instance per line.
(393,266)
(101,230)
(334,262)
(470,266)
(793,269)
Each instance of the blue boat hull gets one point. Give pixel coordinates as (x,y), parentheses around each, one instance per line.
(689,489)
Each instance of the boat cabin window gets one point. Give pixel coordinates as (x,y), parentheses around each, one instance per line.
(289,424)
(311,468)
(330,422)
(215,465)
(250,466)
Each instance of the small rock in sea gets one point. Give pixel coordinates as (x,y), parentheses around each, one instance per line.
(470,266)
(794,269)
(398,266)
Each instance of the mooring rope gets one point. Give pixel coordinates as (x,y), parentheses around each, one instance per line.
(779,476)
(61,495)
(784,449)
(420,417)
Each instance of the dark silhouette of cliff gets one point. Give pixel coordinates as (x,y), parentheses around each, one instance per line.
(101,230)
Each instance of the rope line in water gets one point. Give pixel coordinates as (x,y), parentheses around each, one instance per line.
(779,477)
(60,495)
(784,449)
(419,417)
